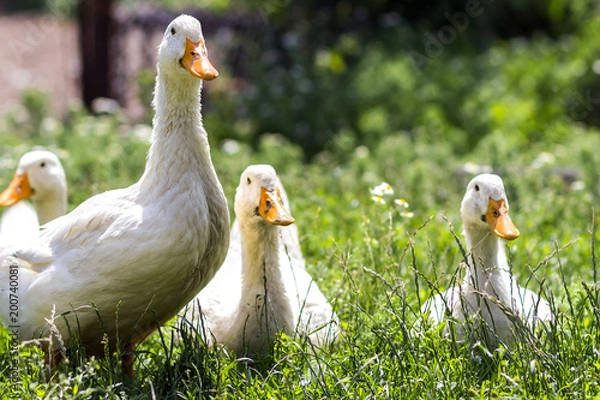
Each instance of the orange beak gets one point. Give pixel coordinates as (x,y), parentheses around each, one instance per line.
(195,60)
(499,221)
(271,208)
(19,189)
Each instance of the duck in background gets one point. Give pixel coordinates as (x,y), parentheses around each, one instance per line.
(262,287)
(40,177)
(489,298)
(126,261)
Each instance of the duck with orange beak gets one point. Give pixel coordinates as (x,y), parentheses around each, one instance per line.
(262,287)
(126,261)
(489,296)
(40,178)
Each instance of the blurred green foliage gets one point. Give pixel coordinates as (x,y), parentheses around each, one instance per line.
(452,70)
(323,69)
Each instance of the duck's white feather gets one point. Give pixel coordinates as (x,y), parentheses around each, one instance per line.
(262,287)
(133,257)
(488,296)
(20,221)
(289,234)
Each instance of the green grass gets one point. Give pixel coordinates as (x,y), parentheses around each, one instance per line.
(376,266)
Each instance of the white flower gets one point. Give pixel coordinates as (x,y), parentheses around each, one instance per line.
(382,189)
(378,199)
(407,214)
(543,159)
(401,203)
(578,185)
(361,152)
(230,146)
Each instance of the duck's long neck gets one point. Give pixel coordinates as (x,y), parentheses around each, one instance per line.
(52,206)
(178,132)
(261,272)
(180,183)
(487,266)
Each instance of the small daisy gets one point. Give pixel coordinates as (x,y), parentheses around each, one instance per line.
(401,203)
(407,214)
(382,189)
(378,199)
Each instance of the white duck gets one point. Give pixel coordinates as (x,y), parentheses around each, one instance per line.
(262,288)
(41,178)
(489,295)
(135,256)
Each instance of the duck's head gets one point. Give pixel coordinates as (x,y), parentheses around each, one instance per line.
(39,174)
(258,197)
(485,206)
(183,50)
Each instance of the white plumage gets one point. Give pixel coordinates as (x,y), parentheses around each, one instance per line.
(135,256)
(489,297)
(40,178)
(262,287)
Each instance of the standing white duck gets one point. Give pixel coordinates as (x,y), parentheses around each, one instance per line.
(126,261)
(261,289)
(41,178)
(489,296)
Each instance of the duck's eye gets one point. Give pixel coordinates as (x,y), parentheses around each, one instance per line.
(43,164)
(248,180)
(477,188)
(173,31)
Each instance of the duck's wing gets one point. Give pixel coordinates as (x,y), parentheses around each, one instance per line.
(289,234)
(530,306)
(317,317)
(443,305)
(86,229)
(313,312)
(291,245)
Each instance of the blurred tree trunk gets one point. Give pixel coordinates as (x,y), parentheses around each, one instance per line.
(95,27)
